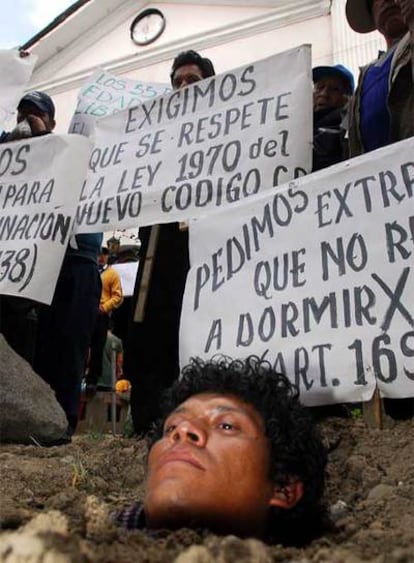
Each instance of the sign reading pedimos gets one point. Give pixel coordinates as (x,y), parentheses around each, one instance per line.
(201,148)
(317,277)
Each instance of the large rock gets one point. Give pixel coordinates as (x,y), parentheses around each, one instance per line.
(29,411)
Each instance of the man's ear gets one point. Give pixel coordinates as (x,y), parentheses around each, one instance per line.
(288,495)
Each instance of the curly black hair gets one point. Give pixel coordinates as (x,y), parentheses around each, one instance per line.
(296,449)
(192,58)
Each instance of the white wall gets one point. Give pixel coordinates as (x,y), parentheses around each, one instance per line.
(231,36)
(350,48)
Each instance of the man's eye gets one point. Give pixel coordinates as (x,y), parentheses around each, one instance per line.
(168,429)
(227,426)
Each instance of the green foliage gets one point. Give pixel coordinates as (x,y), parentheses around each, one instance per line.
(356,413)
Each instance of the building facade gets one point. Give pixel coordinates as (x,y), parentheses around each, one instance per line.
(96,34)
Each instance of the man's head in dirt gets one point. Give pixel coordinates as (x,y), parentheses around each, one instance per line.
(189,67)
(235,453)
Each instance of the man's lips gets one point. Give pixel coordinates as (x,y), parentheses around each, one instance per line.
(183,457)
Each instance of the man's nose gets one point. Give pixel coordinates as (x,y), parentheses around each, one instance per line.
(190,431)
(324,90)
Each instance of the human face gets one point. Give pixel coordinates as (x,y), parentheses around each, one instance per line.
(388,19)
(329,93)
(103,259)
(210,468)
(39,120)
(186,75)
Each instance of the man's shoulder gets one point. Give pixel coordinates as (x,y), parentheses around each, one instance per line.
(111,273)
(132,517)
(403,47)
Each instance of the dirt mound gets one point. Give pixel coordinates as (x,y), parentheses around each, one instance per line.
(56,504)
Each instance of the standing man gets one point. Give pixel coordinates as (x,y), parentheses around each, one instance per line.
(65,327)
(151,353)
(332,88)
(383,107)
(18,315)
(59,347)
(111,299)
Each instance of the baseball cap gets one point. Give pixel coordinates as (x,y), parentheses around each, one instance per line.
(319,72)
(41,100)
(359,15)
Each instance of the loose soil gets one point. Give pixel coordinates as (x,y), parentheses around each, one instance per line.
(55,503)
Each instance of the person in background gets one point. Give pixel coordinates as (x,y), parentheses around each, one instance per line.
(382,111)
(111,299)
(151,357)
(113,350)
(58,347)
(236,453)
(332,89)
(18,315)
(65,327)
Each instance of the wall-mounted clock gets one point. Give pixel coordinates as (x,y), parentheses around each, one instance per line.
(147,26)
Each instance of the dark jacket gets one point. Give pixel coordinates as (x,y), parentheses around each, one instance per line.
(400,98)
(329,143)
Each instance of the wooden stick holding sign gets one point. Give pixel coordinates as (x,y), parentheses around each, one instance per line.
(146,274)
(373,411)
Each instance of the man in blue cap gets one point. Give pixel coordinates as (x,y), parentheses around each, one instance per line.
(35,117)
(55,338)
(18,315)
(333,86)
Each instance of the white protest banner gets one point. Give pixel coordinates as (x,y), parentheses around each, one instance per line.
(104,94)
(127,272)
(316,276)
(15,72)
(40,184)
(201,148)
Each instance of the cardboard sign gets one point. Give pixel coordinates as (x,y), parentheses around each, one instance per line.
(127,272)
(201,148)
(317,277)
(104,94)
(15,72)
(40,184)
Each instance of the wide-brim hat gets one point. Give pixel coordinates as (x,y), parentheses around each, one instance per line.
(359,15)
